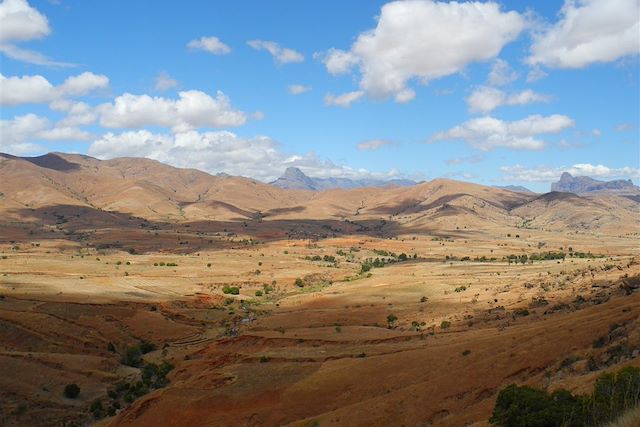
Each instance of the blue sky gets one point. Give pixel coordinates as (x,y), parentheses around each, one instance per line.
(496,93)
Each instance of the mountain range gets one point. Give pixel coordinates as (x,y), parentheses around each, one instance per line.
(585,184)
(94,191)
(294,179)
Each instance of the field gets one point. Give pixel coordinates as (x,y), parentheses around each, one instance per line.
(426,339)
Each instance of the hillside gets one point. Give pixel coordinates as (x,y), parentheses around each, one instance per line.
(157,192)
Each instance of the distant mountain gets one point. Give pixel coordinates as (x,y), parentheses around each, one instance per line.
(295,179)
(585,184)
(516,188)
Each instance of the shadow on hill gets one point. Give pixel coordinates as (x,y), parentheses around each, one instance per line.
(52,161)
(101,229)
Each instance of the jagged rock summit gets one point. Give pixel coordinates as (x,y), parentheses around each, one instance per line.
(294,179)
(584,184)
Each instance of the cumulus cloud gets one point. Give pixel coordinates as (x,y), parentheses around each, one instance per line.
(501,73)
(193,109)
(19,23)
(281,55)
(549,174)
(164,81)
(337,61)
(298,89)
(78,113)
(20,134)
(587,32)
(36,89)
(424,40)
(209,44)
(373,144)
(487,133)
(485,99)
(345,100)
(219,151)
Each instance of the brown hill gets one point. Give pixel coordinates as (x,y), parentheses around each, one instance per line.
(155,191)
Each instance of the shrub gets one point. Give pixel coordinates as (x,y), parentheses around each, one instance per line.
(146,347)
(299,282)
(258,293)
(233,290)
(71,391)
(613,394)
(391,321)
(445,324)
(132,356)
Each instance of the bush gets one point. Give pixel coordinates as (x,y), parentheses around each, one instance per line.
(299,282)
(613,394)
(233,290)
(132,356)
(258,293)
(146,347)
(445,324)
(71,391)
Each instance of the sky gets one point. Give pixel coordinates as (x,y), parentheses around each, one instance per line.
(497,93)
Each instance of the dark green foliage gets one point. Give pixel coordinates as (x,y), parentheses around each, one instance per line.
(524,406)
(146,347)
(96,409)
(71,391)
(391,321)
(299,283)
(132,356)
(152,377)
(233,290)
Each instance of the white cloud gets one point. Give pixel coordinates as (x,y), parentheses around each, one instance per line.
(487,133)
(19,135)
(78,113)
(485,99)
(596,132)
(282,55)
(209,44)
(82,84)
(164,81)
(373,144)
(623,127)
(470,159)
(345,100)
(193,109)
(588,31)
(535,74)
(337,61)
(549,174)
(19,22)
(220,151)
(37,89)
(501,73)
(425,40)
(298,89)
